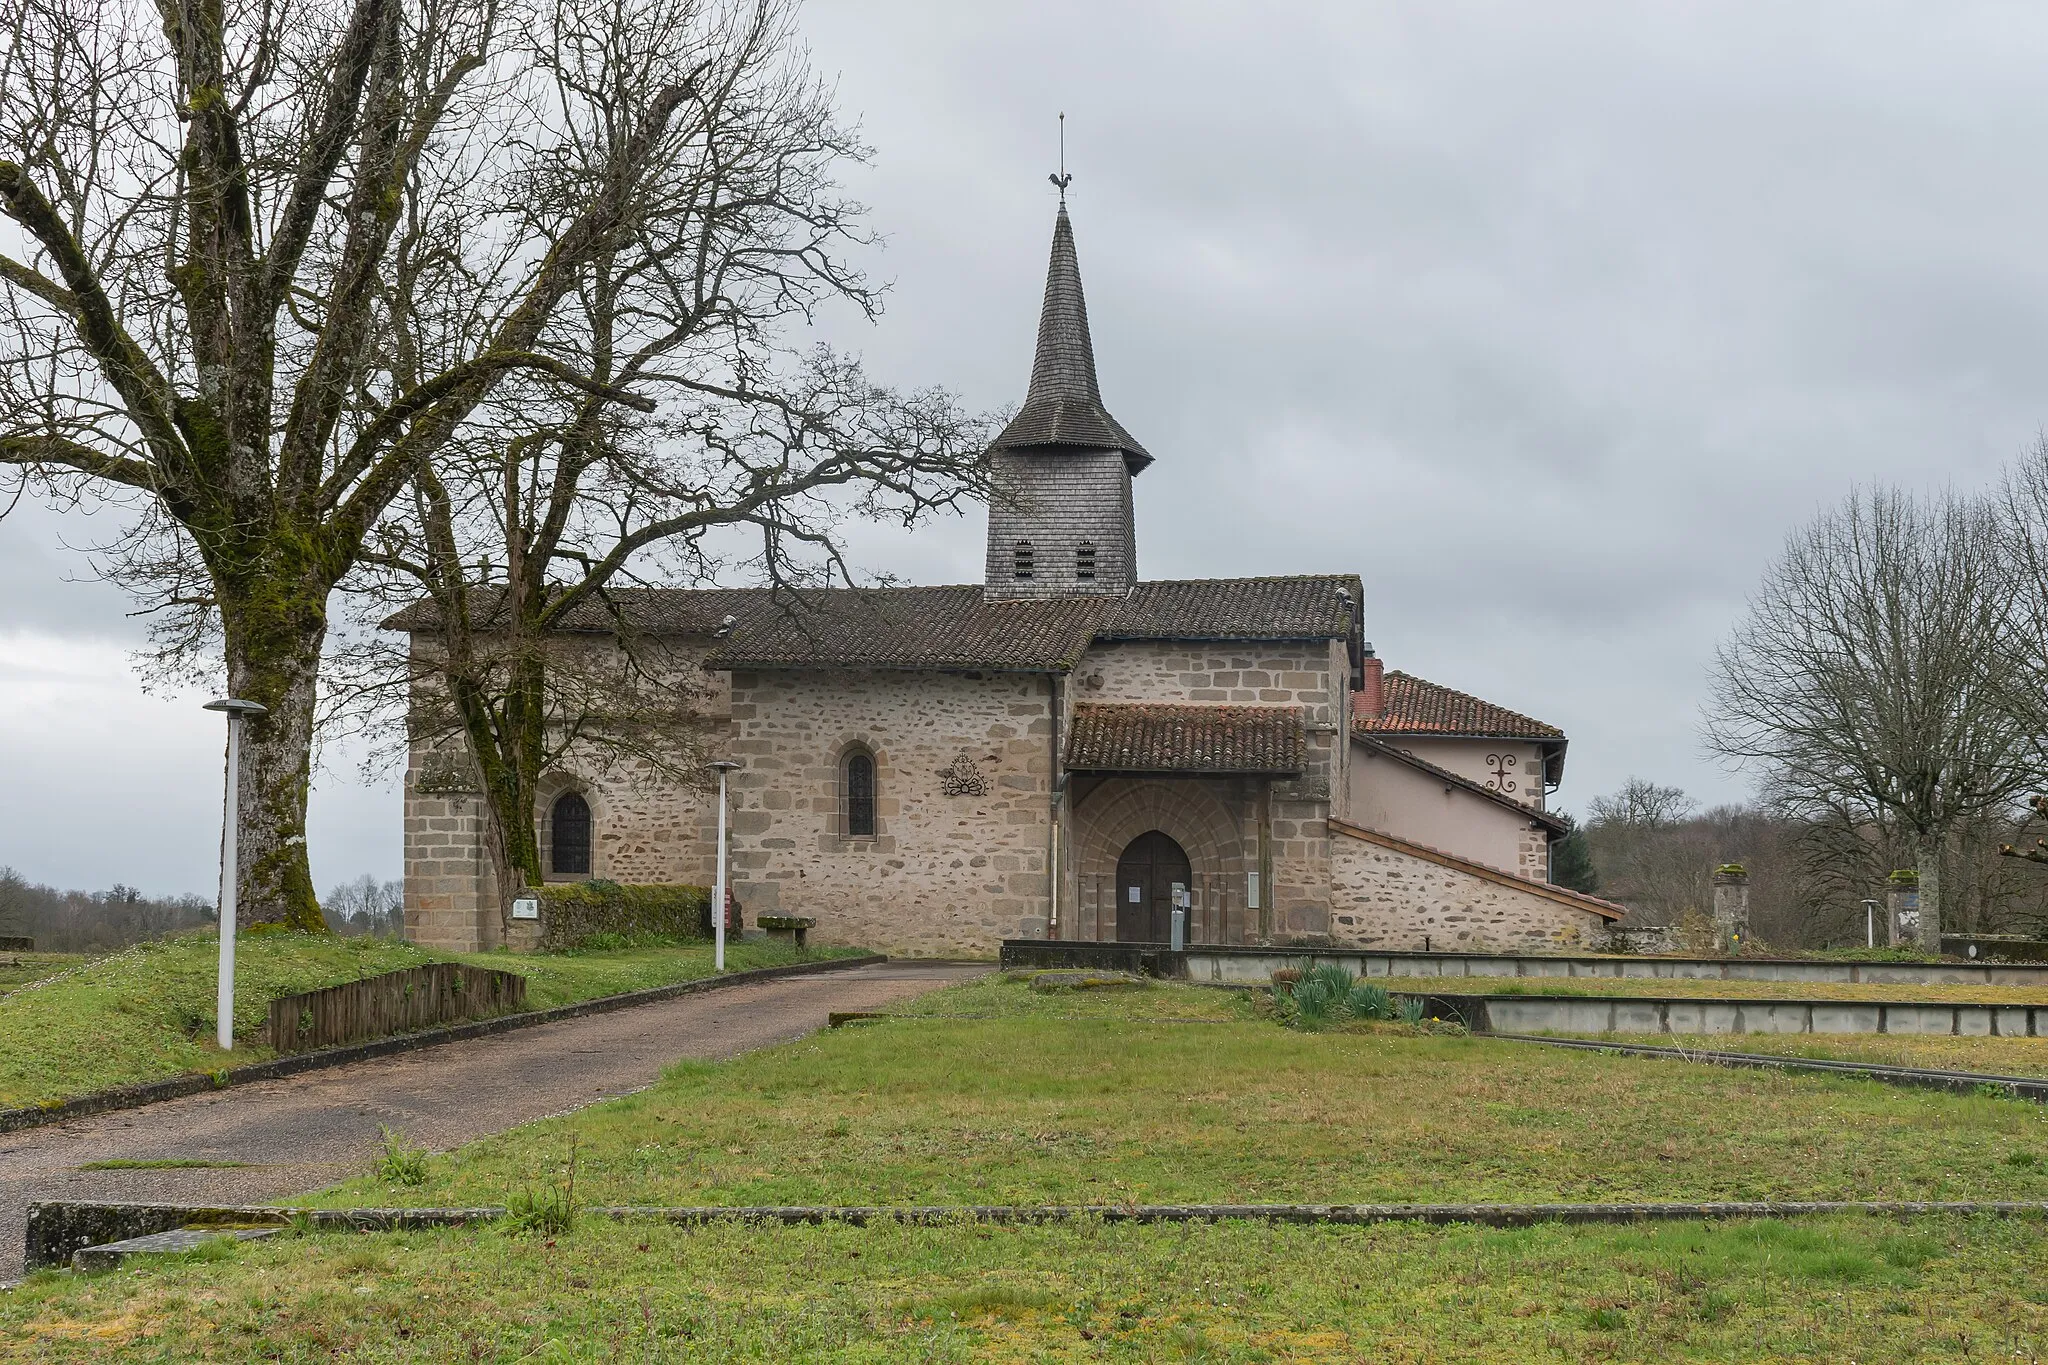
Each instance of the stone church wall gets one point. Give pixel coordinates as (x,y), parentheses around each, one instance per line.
(963,785)
(646,825)
(1311,675)
(1389,898)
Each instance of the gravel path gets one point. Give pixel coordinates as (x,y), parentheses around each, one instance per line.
(326,1122)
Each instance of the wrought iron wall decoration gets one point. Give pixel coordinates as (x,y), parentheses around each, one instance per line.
(1498,766)
(963,777)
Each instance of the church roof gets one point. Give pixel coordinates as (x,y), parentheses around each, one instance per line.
(1063,406)
(1416,706)
(939,628)
(1162,737)
(949,627)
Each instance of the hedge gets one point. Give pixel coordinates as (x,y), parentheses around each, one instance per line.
(572,914)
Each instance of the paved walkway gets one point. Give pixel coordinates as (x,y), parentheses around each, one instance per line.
(311,1130)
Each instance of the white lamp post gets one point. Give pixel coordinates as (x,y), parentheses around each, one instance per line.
(224,1000)
(723,766)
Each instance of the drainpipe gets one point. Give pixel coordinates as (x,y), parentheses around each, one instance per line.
(1059,791)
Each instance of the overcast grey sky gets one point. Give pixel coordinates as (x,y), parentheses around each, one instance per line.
(1549,320)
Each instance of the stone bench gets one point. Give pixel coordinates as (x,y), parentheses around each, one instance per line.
(786,928)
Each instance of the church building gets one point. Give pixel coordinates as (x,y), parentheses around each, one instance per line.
(1056,752)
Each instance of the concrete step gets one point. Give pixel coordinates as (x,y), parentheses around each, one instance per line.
(109,1255)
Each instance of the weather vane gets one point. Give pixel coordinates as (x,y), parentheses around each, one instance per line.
(1062,179)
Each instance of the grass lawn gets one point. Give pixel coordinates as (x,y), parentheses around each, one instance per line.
(1715,990)
(148,1012)
(18,969)
(1825,1290)
(1110,1107)
(1106,1097)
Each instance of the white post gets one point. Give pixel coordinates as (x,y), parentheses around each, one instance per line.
(231,813)
(718,889)
(1870,924)
(224,999)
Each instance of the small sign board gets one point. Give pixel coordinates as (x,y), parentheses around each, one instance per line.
(526,907)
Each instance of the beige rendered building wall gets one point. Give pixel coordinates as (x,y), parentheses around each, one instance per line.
(1389,795)
(944,873)
(1469,758)
(1393,898)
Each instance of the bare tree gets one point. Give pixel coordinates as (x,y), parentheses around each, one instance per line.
(1871,675)
(269,261)
(564,502)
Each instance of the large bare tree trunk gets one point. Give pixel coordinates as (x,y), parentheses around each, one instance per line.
(273,656)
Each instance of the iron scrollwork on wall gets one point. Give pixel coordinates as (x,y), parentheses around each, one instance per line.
(963,777)
(1498,768)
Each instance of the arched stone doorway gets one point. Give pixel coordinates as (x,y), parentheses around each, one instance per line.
(1146,873)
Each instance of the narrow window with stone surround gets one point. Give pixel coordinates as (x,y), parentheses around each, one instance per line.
(569,850)
(1084,562)
(1024,560)
(860,795)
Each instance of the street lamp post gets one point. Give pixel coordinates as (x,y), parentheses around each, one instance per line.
(1870,923)
(718,893)
(231,811)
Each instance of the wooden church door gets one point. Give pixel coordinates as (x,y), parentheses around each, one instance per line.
(1145,877)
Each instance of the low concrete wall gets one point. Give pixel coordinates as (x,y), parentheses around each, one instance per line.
(1255,966)
(1633,1014)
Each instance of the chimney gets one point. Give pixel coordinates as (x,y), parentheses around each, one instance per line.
(1372,697)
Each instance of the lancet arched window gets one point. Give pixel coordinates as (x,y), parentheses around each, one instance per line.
(569,848)
(859,786)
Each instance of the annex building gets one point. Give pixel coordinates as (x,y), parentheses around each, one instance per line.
(1051,752)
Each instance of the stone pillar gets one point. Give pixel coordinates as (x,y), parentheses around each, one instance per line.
(1902,909)
(1731,907)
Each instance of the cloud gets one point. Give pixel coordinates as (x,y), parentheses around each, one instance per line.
(1550,320)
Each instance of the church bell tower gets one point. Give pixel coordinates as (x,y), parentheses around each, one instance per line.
(1063,527)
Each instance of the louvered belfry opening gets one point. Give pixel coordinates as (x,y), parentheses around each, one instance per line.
(1064,464)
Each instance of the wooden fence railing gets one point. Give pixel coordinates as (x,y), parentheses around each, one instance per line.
(394,1002)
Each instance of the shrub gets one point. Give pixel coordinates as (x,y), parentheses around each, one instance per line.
(589,913)
(1408,1010)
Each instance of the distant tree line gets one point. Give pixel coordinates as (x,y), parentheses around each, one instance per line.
(1651,848)
(106,921)
(366,906)
(93,921)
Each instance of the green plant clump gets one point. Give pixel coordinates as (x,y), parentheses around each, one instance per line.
(402,1163)
(1325,994)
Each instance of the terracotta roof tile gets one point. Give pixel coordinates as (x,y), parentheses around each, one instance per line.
(1159,737)
(1415,706)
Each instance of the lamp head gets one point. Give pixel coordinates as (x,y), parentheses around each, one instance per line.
(724,765)
(239,709)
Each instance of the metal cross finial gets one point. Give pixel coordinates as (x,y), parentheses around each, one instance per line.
(1062,179)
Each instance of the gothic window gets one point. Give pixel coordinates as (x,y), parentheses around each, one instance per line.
(570,847)
(1084,562)
(1024,564)
(860,795)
